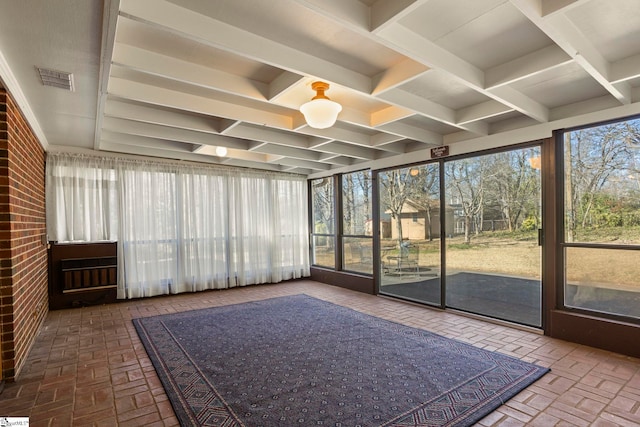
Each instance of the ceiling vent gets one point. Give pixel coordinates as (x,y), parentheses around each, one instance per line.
(56,79)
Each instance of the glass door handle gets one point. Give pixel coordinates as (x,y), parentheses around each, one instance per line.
(540,236)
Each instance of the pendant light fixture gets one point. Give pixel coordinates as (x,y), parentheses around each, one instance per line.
(320,112)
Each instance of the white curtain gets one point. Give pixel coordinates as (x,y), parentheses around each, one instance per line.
(204,247)
(81,198)
(184,228)
(147,247)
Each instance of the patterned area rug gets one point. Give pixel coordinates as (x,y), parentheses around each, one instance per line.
(302,361)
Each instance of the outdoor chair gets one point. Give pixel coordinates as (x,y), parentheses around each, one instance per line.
(410,255)
(404,263)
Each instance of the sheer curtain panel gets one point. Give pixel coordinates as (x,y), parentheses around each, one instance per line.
(182,227)
(204,236)
(148,244)
(81,198)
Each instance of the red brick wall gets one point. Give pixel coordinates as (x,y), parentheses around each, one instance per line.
(23,253)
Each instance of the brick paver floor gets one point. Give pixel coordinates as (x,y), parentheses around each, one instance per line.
(88,367)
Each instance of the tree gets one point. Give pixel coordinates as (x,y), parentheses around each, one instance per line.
(396,186)
(426,192)
(592,157)
(323,212)
(514,186)
(356,203)
(466,184)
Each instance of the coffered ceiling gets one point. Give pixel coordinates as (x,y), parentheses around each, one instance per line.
(176,79)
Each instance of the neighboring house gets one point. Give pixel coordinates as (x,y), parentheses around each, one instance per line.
(385,226)
(417,220)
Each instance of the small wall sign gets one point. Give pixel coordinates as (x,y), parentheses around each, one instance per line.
(441,151)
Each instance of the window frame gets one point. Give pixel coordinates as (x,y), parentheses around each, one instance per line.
(338,225)
(342,235)
(312,233)
(561,236)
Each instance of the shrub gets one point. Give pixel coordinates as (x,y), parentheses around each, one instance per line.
(529,224)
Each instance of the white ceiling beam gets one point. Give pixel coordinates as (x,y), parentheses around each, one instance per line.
(299,122)
(167,154)
(183,101)
(590,59)
(235,154)
(288,161)
(419,105)
(335,159)
(315,141)
(109,24)
(565,34)
(187,72)
(417,134)
(323,157)
(172,134)
(147,114)
(520,102)
(347,12)
(284,168)
(481,111)
(284,83)
(197,75)
(281,150)
(432,55)
(625,69)
(226,125)
(474,126)
(347,150)
(224,36)
(272,158)
(297,170)
(343,135)
(272,136)
(319,142)
(145,141)
(417,146)
(384,138)
(390,114)
(399,74)
(256,144)
(526,66)
(255,165)
(338,134)
(622,91)
(396,147)
(550,7)
(355,117)
(387,12)
(429,109)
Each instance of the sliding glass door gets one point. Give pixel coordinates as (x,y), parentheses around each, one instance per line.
(487,221)
(493,252)
(410,233)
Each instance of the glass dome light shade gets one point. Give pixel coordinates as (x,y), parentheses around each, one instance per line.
(221,151)
(321,113)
